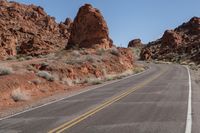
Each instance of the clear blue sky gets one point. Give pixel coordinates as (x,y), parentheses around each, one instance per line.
(128,19)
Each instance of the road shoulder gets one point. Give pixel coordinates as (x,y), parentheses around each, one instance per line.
(195,75)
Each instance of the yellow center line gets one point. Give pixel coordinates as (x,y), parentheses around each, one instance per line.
(105,104)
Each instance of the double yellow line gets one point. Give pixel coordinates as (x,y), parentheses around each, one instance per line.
(105,104)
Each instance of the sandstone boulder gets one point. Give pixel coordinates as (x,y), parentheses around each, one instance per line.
(136,43)
(171,39)
(146,54)
(89,30)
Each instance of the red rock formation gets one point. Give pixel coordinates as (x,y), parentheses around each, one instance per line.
(146,54)
(24,24)
(89,30)
(171,39)
(7,45)
(182,43)
(136,43)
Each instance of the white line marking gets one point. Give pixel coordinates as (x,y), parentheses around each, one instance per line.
(7,117)
(188,128)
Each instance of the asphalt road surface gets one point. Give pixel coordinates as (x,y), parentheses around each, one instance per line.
(156,101)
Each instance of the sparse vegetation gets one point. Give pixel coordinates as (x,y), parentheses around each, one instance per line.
(74,61)
(28,57)
(19,95)
(44,64)
(90,58)
(136,52)
(36,81)
(114,51)
(76,53)
(94,81)
(67,81)
(100,51)
(11,58)
(46,75)
(138,69)
(21,59)
(5,70)
(31,68)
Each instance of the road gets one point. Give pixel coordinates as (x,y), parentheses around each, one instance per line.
(155,101)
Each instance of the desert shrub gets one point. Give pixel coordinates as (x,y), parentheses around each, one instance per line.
(93,81)
(11,58)
(126,73)
(114,51)
(100,51)
(67,81)
(75,53)
(28,58)
(77,81)
(138,69)
(74,61)
(40,56)
(5,70)
(46,75)
(36,81)
(44,64)
(110,77)
(31,68)
(90,58)
(19,95)
(136,52)
(21,59)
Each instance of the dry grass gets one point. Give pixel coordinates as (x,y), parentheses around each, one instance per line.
(19,95)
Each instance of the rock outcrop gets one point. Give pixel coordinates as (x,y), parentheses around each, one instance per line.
(171,39)
(178,45)
(136,43)
(27,29)
(89,30)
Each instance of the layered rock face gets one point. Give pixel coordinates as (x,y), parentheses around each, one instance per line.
(27,29)
(89,30)
(180,44)
(136,43)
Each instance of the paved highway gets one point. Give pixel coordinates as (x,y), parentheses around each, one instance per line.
(156,101)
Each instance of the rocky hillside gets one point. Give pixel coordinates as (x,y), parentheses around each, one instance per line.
(70,55)
(27,29)
(89,30)
(179,45)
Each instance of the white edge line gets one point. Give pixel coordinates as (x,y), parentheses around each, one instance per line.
(188,128)
(7,117)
